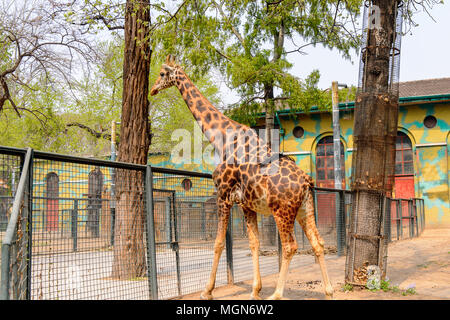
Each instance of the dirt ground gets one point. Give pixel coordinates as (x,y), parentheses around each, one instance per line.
(423,263)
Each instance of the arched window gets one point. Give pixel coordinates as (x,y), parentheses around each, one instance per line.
(404,174)
(52,195)
(325,163)
(403,155)
(95,188)
(187,184)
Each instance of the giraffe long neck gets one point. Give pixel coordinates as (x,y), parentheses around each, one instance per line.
(213,122)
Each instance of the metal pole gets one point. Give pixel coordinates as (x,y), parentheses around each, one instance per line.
(5,274)
(167,219)
(340,224)
(229,249)
(112,206)
(151,246)
(176,246)
(30,221)
(336,136)
(75,225)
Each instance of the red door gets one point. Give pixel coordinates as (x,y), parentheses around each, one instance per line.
(404,173)
(52,201)
(326,201)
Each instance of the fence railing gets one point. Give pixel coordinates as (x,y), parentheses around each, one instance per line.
(95,229)
(407,218)
(16,257)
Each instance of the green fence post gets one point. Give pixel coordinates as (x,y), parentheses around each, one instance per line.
(229,249)
(151,246)
(113,221)
(340,224)
(75,225)
(4,291)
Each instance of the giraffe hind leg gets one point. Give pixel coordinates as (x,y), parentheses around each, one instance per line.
(253,237)
(285,223)
(306,219)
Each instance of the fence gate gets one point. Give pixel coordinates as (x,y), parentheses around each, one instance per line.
(166,244)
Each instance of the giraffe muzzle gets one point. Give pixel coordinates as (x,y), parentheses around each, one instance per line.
(153,91)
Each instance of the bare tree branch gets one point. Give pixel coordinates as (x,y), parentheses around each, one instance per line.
(96,134)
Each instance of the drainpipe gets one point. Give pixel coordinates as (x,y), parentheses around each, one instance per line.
(336,134)
(282,133)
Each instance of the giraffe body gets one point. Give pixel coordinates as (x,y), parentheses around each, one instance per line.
(246,177)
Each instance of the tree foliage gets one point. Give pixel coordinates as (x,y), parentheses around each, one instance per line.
(251,43)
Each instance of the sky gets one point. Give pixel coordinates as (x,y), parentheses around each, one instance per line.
(425,54)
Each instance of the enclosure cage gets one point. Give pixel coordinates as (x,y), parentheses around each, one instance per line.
(373,25)
(68,219)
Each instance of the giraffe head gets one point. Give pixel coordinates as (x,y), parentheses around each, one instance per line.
(167,76)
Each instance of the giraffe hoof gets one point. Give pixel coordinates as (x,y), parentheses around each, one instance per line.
(206,296)
(255,297)
(274,297)
(329,292)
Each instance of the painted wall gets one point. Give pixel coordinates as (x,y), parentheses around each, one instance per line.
(73,186)
(430,147)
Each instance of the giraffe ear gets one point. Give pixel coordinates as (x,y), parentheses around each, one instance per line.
(170,60)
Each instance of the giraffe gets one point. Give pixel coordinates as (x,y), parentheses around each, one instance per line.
(255,178)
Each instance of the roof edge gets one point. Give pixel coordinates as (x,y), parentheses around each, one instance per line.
(343,106)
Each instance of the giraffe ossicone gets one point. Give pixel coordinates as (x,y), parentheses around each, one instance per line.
(271,184)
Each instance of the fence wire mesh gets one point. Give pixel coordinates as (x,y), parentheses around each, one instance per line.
(185,214)
(81,233)
(90,238)
(10,165)
(15,255)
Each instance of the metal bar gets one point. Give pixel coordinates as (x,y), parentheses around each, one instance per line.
(331,189)
(75,226)
(435,144)
(415,218)
(229,249)
(12,225)
(29,228)
(203,218)
(340,224)
(93,162)
(182,172)
(4,286)
(388,219)
(177,247)
(151,247)
(400,216)
(336,136)
(411,219)
(113,223)
(168,218)
(13,151)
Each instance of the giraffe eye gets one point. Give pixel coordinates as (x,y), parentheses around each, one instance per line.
(162,74)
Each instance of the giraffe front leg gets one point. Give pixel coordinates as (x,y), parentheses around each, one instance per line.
(285,223)
(224,215)
(253,237)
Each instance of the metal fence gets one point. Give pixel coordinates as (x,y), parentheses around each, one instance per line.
(92,229)
(15,252)
(406,218)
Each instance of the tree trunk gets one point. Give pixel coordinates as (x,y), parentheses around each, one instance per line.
(375,129)
(129,253)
